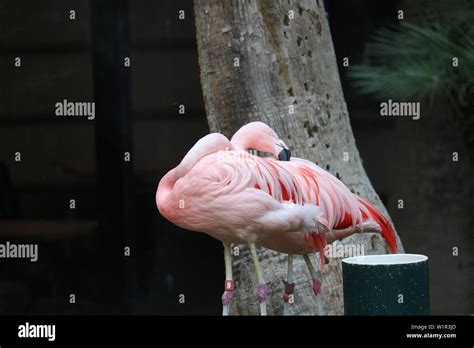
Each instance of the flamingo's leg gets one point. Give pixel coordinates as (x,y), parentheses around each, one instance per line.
(289,286)
(262,286)
(314,277)
(229,281)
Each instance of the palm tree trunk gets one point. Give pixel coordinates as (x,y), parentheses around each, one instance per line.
(260,61)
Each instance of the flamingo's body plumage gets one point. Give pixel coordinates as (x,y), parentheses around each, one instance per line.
(238,197)
(284,205)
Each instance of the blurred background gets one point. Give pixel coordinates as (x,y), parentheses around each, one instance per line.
(82,249)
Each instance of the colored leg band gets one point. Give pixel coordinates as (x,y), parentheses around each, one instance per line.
(229,285)
(289,288)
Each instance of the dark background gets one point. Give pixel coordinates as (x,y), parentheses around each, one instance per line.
(81,250)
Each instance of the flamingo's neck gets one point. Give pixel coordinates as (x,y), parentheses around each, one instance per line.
(165,187)
(241,143)
(244,141)
(207,145)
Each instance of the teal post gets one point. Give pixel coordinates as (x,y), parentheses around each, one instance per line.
(395,284)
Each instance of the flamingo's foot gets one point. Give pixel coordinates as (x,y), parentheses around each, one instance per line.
(288,297)
(262,298)
(226,298)
(262,292)
(316,286)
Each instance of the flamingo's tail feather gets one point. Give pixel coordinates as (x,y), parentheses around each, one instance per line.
(386,228)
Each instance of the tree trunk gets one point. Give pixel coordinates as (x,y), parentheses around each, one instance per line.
(259,63)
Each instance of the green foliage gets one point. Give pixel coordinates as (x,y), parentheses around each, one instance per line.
(416,60)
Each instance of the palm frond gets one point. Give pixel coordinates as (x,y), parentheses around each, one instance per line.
(415,61)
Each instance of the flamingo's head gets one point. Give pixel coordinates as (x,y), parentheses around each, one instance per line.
(259,136)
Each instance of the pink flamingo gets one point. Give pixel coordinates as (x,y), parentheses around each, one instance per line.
(280,202)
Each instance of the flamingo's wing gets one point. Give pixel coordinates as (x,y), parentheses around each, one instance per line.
(294,195)
(303,182)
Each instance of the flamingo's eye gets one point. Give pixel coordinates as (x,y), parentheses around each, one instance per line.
(284,155)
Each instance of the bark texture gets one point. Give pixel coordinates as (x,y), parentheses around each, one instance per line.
(259,63)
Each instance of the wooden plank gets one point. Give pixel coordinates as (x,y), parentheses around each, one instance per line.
(163,114)
(42,81)
(151,22)
(30,22)
(66,47)
(45,229)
